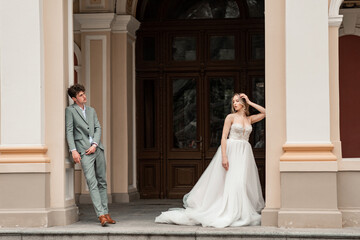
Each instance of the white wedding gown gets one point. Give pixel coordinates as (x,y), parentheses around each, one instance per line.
(224,198)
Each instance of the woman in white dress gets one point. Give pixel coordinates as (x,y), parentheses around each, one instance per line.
(228,193)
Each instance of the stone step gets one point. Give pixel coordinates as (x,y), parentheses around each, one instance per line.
(163,232)
(135,221)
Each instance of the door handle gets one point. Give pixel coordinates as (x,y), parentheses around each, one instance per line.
(201,142)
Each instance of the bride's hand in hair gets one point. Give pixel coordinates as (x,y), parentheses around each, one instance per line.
(243,95)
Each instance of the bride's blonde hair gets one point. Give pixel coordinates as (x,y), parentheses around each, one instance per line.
(242,102)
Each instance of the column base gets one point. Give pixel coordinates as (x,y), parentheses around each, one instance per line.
(112,198)
(269,217)
(86,199)
(125,197)
(39,217)
(350,217)
(309,219)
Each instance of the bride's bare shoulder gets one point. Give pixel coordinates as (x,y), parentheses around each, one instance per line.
(230,117)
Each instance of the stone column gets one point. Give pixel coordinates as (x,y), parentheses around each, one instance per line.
(349,168)
(123,108)
(32,147)
(275,106)
(308,167)
(95,48)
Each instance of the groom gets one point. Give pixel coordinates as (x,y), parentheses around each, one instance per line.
(83,134)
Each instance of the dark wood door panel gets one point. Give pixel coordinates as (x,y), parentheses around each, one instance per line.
(187,71)
(260,163)
(182,176)
(149,178)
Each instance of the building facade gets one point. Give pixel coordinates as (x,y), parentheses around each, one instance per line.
(160,76)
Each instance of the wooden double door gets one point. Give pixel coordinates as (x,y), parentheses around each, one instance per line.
(191,56)
(180,126)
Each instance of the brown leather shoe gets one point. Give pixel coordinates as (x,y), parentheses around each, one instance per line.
(109,219)
(103,220)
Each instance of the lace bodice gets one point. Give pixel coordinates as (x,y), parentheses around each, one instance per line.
(239,132)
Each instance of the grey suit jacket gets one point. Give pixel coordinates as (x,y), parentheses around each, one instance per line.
(78,129)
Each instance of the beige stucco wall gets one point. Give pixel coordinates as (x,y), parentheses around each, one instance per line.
(56,71)
(307,195)
(95,76)
(130,65)
(32,176)
(349,197)
(55,79)
(28,191)
(107,46)
(334,90)
(275,105)
(77,39)
(120,141)
(96,6)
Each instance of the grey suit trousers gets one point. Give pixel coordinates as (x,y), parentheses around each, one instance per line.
(94,168)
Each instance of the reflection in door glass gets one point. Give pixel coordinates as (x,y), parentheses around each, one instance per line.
(257,46)
(256,8)
(184,49)
(258,94)
(203,9)
(184,113)
(221,91)
(222,47)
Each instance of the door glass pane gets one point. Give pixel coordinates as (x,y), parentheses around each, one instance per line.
(149,49)
(256,8)
(184,113)
(222,47)
(203,9)
(258,94)
(149,109)
(221,92)
(184,49)
(257,46)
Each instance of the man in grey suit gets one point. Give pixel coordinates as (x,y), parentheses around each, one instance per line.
(83,132)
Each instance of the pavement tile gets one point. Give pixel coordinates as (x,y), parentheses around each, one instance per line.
(135,220)
(14,237)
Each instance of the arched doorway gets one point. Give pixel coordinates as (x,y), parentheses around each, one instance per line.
(191,56)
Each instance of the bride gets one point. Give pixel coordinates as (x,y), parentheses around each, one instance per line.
(228,193)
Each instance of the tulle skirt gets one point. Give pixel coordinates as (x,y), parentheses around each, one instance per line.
(223,198)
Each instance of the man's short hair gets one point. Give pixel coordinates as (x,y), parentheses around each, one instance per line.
(75,89)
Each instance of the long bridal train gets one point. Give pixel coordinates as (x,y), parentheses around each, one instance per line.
(224,198)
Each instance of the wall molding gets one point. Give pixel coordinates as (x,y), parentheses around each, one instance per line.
(349,164)
(308,152)
(93,22)
(25,168)
(99,22)
(24,154)
(320,166)
(125,24)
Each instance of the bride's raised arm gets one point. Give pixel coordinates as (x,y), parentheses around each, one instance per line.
(256,117)
(227,124)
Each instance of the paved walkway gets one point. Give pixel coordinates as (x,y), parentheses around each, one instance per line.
(136,221)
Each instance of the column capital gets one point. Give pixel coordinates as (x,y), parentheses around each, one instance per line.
(93,22)
(350,22)
(125,24)
(335,19)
